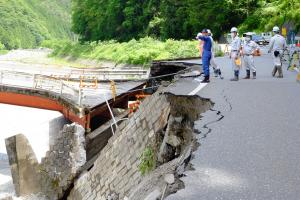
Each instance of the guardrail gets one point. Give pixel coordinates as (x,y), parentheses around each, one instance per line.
(42,82)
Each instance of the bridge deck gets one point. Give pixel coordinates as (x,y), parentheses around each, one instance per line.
(81,101)
(78,104)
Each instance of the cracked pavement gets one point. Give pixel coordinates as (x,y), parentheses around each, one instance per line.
(249,141)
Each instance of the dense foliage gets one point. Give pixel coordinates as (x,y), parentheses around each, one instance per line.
(140,51)
(178,19)
(274,12)
(25,23)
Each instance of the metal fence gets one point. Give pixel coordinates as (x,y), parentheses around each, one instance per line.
(42,82)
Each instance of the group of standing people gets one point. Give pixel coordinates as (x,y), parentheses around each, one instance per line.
(245,50)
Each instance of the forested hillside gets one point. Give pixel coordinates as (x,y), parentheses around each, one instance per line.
(274,12)
(177,19)
(25,23)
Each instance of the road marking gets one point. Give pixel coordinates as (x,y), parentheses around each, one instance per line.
(197,89)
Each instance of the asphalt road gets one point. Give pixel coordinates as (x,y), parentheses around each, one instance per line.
(250,144)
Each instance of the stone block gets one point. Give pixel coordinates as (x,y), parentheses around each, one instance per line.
(154,195)
(169,178)
(174,141)
(24,165)
(7,198)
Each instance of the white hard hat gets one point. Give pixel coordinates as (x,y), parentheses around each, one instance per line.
(199,34)
(209,32)
(276,29)
(234,29)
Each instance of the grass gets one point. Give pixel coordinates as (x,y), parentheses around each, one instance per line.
(3,52)
(138,52)
(147,161)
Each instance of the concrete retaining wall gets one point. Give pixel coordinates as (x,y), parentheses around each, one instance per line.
(116,171)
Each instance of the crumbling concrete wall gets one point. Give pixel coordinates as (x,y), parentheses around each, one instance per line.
(63,161)
(55,127)
(116,171)
(57,170)
(176,144)
(164,123)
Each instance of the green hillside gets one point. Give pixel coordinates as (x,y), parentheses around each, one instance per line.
(123,20)
(25,23)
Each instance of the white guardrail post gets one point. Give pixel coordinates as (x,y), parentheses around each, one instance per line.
(61,87)
(80,97)
(34,81)
(112,116)
(40,81)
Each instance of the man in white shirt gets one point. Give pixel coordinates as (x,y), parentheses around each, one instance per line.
(235,52)
(248,51)
(217,70)
(277,45)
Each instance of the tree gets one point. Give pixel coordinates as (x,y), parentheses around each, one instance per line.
(177,19)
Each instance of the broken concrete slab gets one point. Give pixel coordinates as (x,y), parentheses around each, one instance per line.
(24,165)
(169,178)
(154,195)
(7,198)
(56,172)
(174,141)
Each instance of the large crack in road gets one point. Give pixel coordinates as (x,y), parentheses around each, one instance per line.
(218,117)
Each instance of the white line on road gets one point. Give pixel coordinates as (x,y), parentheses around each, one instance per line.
(197,89)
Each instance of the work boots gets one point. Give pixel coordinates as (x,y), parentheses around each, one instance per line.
(220,74)
(280,74)
(216,72)
(274,71)
(206,79)
(236,76)
(247,74)
(254,75)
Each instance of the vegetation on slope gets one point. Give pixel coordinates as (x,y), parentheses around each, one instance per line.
(273,12)
(26,23)
(140,51)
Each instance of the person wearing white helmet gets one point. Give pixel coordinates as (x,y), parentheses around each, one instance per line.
(217,70)
(248,51)
(200,44)
(277,45)
(235,52)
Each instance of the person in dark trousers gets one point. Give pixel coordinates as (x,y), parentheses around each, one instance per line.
(206,55)
(216,68)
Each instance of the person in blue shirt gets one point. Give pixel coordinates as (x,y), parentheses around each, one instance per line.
(206,55)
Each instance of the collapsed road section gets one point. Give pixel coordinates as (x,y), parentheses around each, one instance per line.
(142,157)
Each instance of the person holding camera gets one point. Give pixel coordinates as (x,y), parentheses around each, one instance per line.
(206,53)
